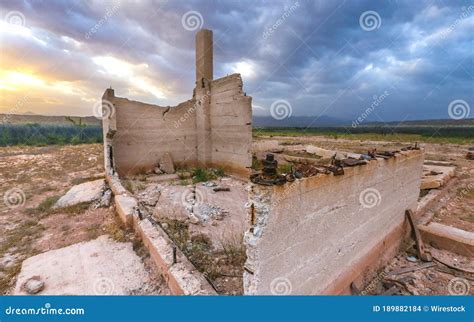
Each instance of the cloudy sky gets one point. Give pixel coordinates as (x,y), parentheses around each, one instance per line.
(333,58)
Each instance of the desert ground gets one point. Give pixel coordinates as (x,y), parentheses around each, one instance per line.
(35,177)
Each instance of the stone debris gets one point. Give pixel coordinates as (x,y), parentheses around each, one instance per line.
(166,164)
(206,212)
(105,200)
(84,192)
(209,184)
(33,285)
(150,195)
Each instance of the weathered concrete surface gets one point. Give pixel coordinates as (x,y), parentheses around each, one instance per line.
(435,176)
(308,235)
(98,267)
(204,55)
(125,206)
(84,192)
(449,238)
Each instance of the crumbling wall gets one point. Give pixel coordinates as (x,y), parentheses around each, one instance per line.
(231,124)
(318,234)
(140,134)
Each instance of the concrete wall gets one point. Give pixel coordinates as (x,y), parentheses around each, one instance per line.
(231,124)
(144,132)
(318,234)
(212,129)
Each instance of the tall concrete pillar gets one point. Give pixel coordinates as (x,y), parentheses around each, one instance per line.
(204,56)
(204,75)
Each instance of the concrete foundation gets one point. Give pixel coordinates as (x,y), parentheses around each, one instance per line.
(310,234)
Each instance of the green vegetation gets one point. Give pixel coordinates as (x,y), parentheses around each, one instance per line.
(42,134)
(429,134)
(203,175)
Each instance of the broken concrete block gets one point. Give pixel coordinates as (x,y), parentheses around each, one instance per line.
(97,267)
(84,192)
(435,176)
(449,238)
(125,206)
(166,164)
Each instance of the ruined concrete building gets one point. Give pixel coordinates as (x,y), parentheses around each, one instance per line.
(331,221)
(212,128)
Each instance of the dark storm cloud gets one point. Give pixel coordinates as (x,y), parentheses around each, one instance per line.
(314,54)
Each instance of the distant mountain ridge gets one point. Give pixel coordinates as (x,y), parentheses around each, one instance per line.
(258,121)
(46,119)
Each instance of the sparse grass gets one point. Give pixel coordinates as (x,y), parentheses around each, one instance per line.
(45,208)
(234,250)
(115,230)
(443,134)
(127,184)
(203,174)
(8,278)
(284,168)
(184,182)
(75,209)
(200,251)
(256,163)
(20,235)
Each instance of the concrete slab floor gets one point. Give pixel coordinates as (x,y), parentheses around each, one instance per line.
(97,267)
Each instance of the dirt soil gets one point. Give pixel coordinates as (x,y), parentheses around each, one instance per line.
(31,180)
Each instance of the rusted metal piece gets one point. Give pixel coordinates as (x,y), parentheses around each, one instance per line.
(270,165)
(451,261)
(411,269)
(269,175)
(422,253)
(267,181)
(336,167)
(175,259)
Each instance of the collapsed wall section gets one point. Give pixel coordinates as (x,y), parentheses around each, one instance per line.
(137,134)
(318,234)
(231,125)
